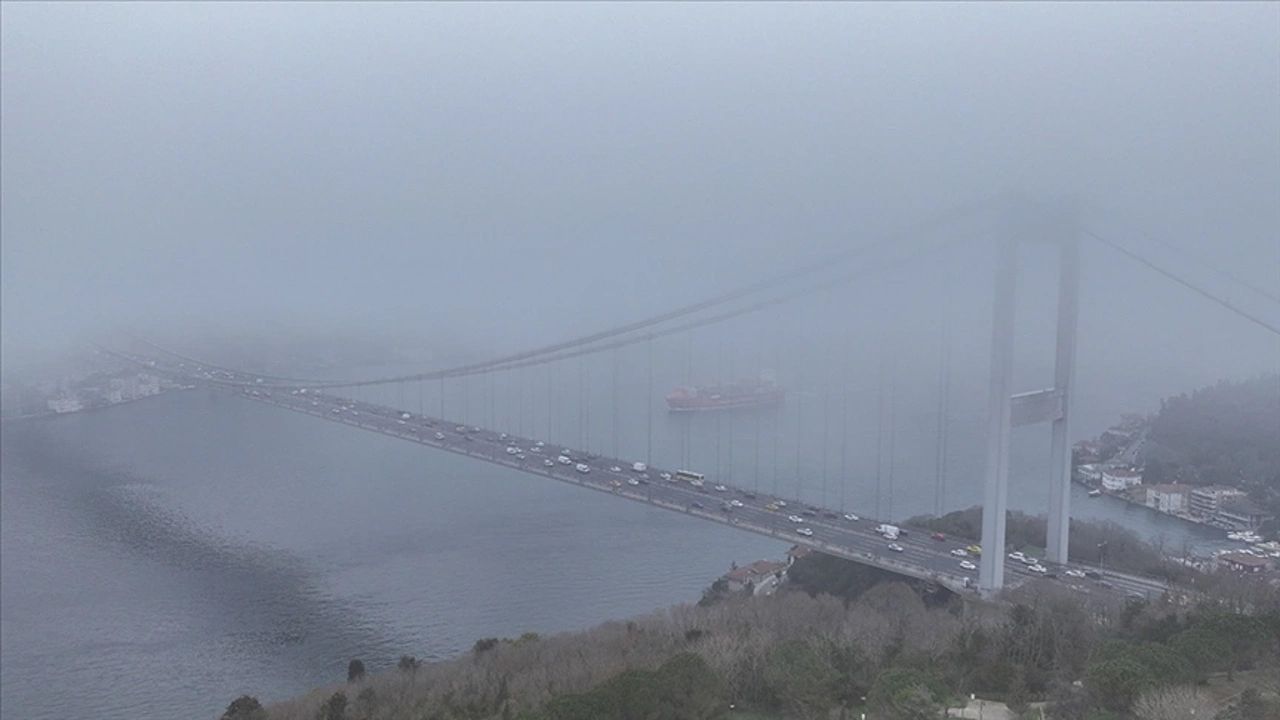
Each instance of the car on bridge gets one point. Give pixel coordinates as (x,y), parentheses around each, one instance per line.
(851,517)
(896,547)
(439,436)
(564,460)
(549,462)
(582,468)
(960,552)
(805,531)
(795,518)
(968,565)
(1075,573)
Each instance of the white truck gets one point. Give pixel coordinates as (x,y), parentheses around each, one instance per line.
(639,467)
(889,531)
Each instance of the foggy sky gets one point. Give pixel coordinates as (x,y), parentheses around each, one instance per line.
(505,175)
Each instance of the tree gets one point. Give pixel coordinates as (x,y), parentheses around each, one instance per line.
(1117,682)
(1016,699)
(245,707)
(335,708)
(355,671)
(801,678)
(1249,706)
(1174,703)
(906,694)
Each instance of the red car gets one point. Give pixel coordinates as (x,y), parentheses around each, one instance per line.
(938,536)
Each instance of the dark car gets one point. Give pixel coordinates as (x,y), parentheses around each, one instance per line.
(808,513)
(1092,575)
(696,504)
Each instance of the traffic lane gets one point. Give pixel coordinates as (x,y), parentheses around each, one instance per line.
(916,547)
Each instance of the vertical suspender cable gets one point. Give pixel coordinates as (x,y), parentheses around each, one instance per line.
(648,453)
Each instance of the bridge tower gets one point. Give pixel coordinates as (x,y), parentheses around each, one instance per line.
(1006,411)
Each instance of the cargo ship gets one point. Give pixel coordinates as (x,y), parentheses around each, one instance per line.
(732,396)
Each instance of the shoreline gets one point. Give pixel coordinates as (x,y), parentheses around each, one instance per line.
(82,411)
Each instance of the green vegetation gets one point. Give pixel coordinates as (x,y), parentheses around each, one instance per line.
(888,649)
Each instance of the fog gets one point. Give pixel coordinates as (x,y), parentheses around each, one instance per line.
(490,177)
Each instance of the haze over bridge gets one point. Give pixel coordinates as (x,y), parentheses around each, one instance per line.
(773,514)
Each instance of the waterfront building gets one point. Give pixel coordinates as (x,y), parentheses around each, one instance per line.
(1240,513)
(1120,479)
(1168,498)
(762,576)
(1204,502)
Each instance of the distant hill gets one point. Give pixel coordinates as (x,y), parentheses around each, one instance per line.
(1228,434)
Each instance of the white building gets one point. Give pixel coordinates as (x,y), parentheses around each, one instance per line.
(1168,498)
(65,404)
(762,576)
(1119,480)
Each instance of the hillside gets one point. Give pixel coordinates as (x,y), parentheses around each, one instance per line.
(888,652)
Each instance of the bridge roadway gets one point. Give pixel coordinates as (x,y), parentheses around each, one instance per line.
(921,557)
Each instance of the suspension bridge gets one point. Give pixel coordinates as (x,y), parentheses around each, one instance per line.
(519,430)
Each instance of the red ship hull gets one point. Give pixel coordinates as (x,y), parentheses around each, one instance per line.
(708,399)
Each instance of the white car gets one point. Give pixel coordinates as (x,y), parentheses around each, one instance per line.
(1030,561)
(405,416)
(400,422)
(1017,555)
(539,443)
(1037,568)
(535,449)
(805,532)
(564,460)
(960,552)
(632,481)
(851,517)
(1075,573)
(549,462)
(895,547)
(735,503)
(615,468)
(782,503)
(503,436)
(439,436)
(721,488)
(795,518)
(968,565)
(520,456)
(666,476)
(582,468)
(639,467)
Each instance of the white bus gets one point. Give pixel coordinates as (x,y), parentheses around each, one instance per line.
(695,479)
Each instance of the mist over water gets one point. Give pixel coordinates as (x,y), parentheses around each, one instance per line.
(165,556)
(351,191)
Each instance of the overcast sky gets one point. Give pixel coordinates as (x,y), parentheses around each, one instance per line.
(505,174)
